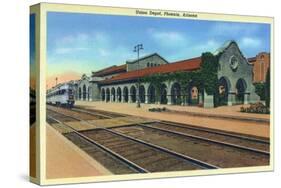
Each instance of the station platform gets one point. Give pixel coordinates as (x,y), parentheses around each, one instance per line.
(66,160)
(226,118)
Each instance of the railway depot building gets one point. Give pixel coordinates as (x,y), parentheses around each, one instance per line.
(153,79)
(260,64)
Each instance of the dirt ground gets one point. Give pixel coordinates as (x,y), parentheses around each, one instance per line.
(261,129)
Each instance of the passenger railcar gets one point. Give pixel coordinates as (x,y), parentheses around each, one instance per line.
(61,95)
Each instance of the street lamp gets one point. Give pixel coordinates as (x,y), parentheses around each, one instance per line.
(137,49)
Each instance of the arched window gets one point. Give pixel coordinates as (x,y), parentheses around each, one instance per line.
(147,64)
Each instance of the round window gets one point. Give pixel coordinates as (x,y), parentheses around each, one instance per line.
(234,63)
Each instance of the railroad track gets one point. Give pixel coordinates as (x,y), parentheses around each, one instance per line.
(235,142)
(99,112)
(252,149)
(83,115)
(218,154)
(154,158)
(219,137)
(111,160)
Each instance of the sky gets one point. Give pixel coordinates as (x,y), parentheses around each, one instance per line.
(32,50)
(82,43)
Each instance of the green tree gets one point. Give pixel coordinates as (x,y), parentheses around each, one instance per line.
(260,90)
(267,88)
(209,72)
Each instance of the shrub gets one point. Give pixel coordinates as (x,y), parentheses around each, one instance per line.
(260,90)
(157,109)
(258,108)
(267,88)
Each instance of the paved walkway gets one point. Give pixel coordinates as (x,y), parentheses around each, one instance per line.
(65,160)
(261,129)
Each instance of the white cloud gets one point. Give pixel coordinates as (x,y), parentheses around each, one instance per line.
(96,49)
(250,42)
(210,46)
(168,38)
(80,42)
(67,50)
(230,29)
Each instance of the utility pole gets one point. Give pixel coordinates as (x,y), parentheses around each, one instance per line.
(56,80)
(137,49)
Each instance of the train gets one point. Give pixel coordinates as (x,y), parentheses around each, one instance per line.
(61,95)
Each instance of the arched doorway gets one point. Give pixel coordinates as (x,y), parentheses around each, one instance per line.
(176,93)
(88,93)
(240,91)
(125,94)
(102,95)
(142,94)
(163,94)
(151,94)
(113,94)
(80,93)
(223,90)
(133,93)
(107,95)
(193,95)
(119,94)
(84,92)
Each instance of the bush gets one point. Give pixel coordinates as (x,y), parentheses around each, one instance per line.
(260,90)
(157,109)
(258,108)
(267,88)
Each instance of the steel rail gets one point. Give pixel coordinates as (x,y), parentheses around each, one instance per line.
(206,139)
(198,137)
(91,113)
(186,126)
(189,159)
(186,158)
(125,161)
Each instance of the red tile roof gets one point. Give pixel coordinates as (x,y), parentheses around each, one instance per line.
(183,65)
(111,70)
(252,59)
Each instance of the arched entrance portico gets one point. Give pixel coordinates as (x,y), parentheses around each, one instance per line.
(84,92)
(193,95)
(163,94)
(119,94)
(88,96)
(113,94)
(126,94)
(240,91)
(176,93)
(142,94)
(133,94)
(103,94)
(151,94)
(223,91)
(107,98)
(80,93)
